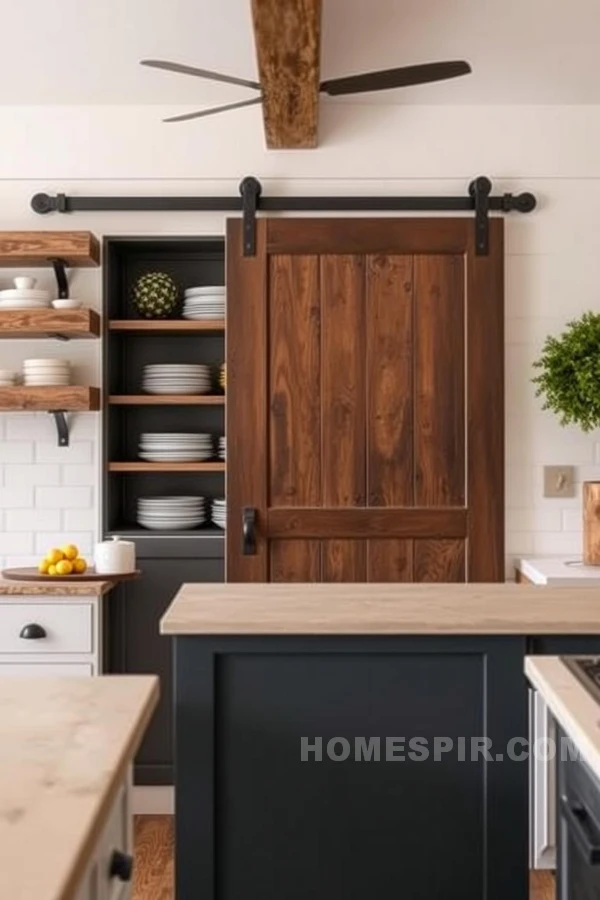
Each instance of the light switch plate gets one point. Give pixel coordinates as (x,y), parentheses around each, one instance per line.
(559,481)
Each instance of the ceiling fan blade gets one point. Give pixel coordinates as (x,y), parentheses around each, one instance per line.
(199,73)
(213,110)
(396,78)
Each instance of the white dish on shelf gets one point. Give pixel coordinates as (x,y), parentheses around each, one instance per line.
(24,282)
(46,361)
(67,303)
(203,289)
(24,294)
(23,304)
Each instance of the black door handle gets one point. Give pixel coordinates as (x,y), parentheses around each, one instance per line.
(32,632)
(249,531)
(583,830)
(121,866)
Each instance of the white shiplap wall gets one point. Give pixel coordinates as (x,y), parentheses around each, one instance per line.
(552,271)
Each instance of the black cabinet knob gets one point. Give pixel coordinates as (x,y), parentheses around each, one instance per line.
(121,866)
(32,632)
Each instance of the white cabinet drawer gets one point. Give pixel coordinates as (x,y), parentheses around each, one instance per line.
(81,669)
(63,628)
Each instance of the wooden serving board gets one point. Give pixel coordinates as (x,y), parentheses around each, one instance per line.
(32,574)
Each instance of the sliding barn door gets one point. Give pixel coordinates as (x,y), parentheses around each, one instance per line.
(365,417)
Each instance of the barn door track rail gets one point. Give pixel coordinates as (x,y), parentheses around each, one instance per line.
(479,199)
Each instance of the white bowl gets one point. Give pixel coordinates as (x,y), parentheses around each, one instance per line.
(67,304)
(24,282)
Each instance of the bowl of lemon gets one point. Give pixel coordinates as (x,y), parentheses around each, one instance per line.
(62,562)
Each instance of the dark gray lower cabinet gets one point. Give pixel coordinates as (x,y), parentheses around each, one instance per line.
(135,645)
(255,820)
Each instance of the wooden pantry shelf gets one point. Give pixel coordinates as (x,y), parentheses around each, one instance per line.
(73,398)
(38,248)
(66,324)
(166,467)
(166,399)
(167,326)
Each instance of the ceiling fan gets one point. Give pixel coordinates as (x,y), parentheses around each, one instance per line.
(385,80)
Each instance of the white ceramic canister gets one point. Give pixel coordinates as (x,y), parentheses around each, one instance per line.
(114,557)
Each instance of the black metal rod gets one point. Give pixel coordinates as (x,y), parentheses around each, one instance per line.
(44,203)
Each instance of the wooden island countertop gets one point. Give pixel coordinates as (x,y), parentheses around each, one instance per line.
(65,746)
(427,609)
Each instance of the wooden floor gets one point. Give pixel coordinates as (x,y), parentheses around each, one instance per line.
(154,841)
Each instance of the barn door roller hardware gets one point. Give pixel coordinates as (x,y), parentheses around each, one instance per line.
(251,200)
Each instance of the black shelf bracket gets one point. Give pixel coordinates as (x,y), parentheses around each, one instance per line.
(62,428)
(60,267)
(478,200)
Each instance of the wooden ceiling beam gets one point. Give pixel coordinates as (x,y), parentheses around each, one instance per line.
(287,34)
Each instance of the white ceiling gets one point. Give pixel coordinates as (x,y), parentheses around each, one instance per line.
(86,51)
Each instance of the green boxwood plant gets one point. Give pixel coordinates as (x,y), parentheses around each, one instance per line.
(569,378)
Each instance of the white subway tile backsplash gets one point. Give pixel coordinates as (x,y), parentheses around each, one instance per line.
(24,426)
(45,540)
(21,560)
(61,497)
(16,497)
(12,542)
(80,519)
(83,426)
(32,519)
(557,543)
(79,452)
(16,451)
(530,520)
(572,520)
(519,543)
(31,475)
(74,474)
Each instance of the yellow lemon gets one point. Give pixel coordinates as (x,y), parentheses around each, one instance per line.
(54,556)
(43,567)
(70,551)
(79,566)
(52,570)
(64,567)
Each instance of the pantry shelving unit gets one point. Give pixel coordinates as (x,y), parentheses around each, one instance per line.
(166,558)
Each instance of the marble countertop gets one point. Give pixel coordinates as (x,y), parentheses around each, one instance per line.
(560,571)
(65,746)
(570,703)
(54,588)
(381,609)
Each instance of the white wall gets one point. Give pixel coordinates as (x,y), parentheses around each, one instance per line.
(552,270)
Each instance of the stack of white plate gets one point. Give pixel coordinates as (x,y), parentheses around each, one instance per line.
(204,302)
(219,512)
(170,513)
(176,379)
(175,447)
(46,372)
(7,378)
(24,298)
(222,447)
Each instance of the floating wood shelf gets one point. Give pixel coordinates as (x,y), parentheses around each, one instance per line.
(166,399)
(166,467)
(73,398)
(167,326)
(38,248)
(65,324)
